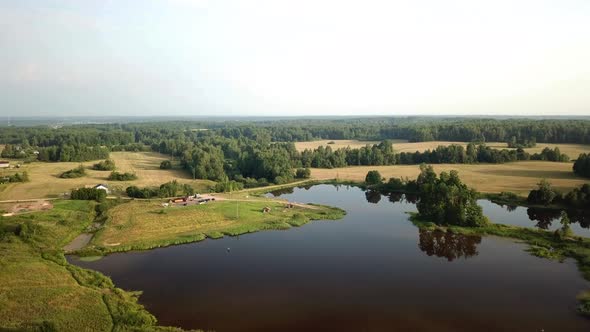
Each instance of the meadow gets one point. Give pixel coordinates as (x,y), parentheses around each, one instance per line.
(45,181)
(36,284)
(337,144)
(41,291)
(517,177)
(147,224)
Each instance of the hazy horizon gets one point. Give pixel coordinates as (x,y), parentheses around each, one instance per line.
(276,58)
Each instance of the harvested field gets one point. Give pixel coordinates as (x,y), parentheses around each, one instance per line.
(517,177)
(338,143)
(572,150)
(45,181)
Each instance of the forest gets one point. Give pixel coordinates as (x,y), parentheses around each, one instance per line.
(259,152)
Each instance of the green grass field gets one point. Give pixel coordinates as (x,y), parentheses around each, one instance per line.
(39,288)
(146,224)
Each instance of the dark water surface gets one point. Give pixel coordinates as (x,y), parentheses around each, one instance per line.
(536,217)
(371,271)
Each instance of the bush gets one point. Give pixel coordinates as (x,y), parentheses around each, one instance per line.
(27,230)
(16,177)
(169,189)
(116,176)
(544,195)
(228,186)
(303,173)
(137,192)
(166,164)
(582,165)
(77,172)
(578,197)
(106,165)
(89,194)
(373,177)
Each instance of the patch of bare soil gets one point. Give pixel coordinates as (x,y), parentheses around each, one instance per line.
(40,205)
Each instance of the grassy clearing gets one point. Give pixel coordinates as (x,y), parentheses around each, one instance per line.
(518,177)
(39,288)
(338,143)
(140,225)
(45,181)
(572,150)
(541,244)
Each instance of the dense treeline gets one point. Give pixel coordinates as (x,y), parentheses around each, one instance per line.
(419,129)
(384,154)
(582,165)
(168,189)
(72,153)
(76,152)
(134,136)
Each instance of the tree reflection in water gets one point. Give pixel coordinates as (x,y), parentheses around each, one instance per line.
(282,191)
(395,197)
(546,216)
(579,216)
(373,196)
(543,217)
(448,245)
(411,198)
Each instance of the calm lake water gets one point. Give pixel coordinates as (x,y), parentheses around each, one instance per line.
(371,271)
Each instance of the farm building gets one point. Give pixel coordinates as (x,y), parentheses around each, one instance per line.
(4,164)
(102,187)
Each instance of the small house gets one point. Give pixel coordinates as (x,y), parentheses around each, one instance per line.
(4,164)
(102,187)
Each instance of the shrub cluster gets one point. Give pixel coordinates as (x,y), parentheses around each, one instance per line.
(89,194)
(116,176)
(166,164)
(168,189)
(582,165)
(303,173)
(105,165)
(16,177)
(77,172)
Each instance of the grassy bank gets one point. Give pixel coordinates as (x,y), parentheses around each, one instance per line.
(541,244)
(138,225)
(39,290)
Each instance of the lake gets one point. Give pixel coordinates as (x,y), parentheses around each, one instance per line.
(371,271)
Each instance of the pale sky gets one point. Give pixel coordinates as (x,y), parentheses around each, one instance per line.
(200,57)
